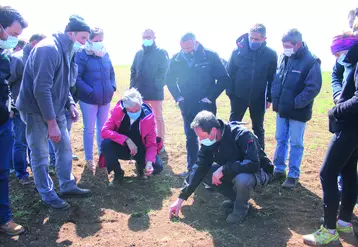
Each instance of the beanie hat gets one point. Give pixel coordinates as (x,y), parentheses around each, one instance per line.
(343,42)
(77,24)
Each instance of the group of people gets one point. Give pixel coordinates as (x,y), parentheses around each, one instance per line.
(50,75)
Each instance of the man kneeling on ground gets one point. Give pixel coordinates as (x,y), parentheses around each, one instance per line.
(240,164)
(128,134)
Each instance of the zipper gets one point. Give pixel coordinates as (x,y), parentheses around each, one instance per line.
(102,74)
(252,77)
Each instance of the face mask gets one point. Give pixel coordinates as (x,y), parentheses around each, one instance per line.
(207,142)
(10,43)
(98,49)
(148,42)
(255,45)
(341,59)
(134,115)
(76,46)
(288,52)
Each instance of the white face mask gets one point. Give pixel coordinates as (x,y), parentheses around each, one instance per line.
(288,52)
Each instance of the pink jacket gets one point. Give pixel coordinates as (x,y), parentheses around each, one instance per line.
(147,129)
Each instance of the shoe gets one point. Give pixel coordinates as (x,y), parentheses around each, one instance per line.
(227,204)
(90,165)
(117,180)
(321,237)
(52,170)
(278,176)
(77,192)
(208,187)
(290,183)
(12,171)
(25,181)
(57,204)
(345,229)
(234,219)
(75,157)
(11,228)
(183,174)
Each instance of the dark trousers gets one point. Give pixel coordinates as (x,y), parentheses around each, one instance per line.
(257,110)
(341,157)
(113,151)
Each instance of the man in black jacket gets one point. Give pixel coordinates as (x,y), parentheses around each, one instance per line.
(196,77)
(148,76)
(240,164)
(11,26)
(252,67)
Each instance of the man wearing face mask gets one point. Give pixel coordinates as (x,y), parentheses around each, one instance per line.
(11,26)
(231,160)
(148,76)
(196,77)
(297,82)
(252,67)
(49,73)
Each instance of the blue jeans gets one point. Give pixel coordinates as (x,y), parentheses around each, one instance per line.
(19,151)
(293,131)
(6,142)
(37,138)
(192,145)
(93,114)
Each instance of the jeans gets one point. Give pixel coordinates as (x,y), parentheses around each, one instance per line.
(293,131)
(238,189)
(37,138)
(19,151)
(93,114)
(341,157)
(6,142)
(257,112)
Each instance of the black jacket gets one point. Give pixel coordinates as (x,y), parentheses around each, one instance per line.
(203,76)
(344,115)
(252,72)
(4,88)
(148,72)
(297,82)
(238,151)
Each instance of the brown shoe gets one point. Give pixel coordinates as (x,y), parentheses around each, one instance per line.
(11,228)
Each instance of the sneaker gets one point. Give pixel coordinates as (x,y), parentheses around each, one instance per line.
(278,176)
(183,174)
(207,187)
(75,157)
(117,180)
(25,181)
(90,165)
(321,237)
(227,204)
(77,192)
(57,204)
(345,229)
(11,228)
(52,170)
(290,183)
(12,171)
(234,219)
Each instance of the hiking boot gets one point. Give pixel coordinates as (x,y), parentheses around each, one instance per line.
(52,170)
(11,228)
(57,204)
(234,219)
(117,180)
(75,157)
(321,237)
(77,192)
(290,183)
(25,181)
(278,176)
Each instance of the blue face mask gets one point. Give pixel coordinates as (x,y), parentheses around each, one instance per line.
(341,59)
(255,45)
(148,42)
(10,43)
(134,115)
(76,46)
(207,142)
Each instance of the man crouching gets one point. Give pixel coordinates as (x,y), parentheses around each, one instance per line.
(240,164)
(128,134)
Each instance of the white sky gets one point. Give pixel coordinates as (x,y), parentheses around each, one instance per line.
(216,24)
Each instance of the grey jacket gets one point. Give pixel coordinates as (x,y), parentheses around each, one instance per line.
(49,73)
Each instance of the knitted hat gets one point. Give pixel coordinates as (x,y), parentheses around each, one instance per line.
(343,42)
(77,24)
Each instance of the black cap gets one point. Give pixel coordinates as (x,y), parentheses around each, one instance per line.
(77,24)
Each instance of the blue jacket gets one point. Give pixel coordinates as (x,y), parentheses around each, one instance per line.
(297,82)
(49,73)
(96,80)
(252,72)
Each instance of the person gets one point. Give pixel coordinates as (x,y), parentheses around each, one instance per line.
(20,148)
(148,77)
(252,67)
(20,45)
(297,82)
(44,94)
(342,153)
(196,77)
(352,16)
(231,160)
(128,134)
(11,26)
(95,86)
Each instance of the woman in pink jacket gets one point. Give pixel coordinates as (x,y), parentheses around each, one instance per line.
(128,134)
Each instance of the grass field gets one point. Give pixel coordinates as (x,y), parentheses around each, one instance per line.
(136,214)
